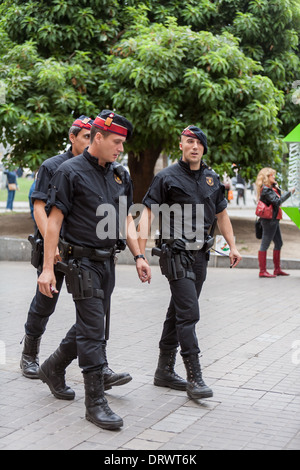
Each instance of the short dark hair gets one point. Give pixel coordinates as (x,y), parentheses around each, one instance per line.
(95,130)
(74,130)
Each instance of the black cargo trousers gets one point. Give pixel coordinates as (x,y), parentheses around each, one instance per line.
(86,337)
(183,313)
(41,308)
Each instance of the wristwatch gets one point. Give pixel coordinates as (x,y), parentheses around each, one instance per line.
(138,256)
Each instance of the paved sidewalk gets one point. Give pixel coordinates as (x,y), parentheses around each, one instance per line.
(250,340)
(19,206)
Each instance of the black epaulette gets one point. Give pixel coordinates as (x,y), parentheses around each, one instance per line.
(119,170)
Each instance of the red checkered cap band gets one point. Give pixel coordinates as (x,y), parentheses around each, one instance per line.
(189,133)
(114,128)
(85,123)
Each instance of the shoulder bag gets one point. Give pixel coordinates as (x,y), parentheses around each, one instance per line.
(264,211)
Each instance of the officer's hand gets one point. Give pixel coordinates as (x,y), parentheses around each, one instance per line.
(57,256)
(235,258)
(47,283)
(143,270)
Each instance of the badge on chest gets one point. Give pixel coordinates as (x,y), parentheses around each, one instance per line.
(117,179)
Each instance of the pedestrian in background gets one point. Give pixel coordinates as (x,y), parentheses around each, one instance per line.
(240,187)
(227,186)
(269,194)
(11,186)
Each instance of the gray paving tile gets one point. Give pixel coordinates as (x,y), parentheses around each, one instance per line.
(249,357)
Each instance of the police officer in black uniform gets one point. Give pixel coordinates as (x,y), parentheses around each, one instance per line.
(83,191)
(42,306)
(188,182)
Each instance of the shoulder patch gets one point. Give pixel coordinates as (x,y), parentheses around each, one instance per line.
(117,179)
(210,180)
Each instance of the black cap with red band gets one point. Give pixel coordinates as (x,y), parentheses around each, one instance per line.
(84,122)
(111,122)
(196,132)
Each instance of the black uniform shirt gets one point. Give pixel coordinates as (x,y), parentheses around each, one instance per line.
(78,188)
(45,174)
(178,184)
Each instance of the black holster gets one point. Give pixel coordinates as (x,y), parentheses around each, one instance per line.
(175,263)
(37,250)
(78,281)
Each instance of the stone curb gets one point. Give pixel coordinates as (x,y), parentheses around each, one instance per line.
(19,249)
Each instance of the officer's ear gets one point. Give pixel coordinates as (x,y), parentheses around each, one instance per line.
(180,145)
(98,137)
(72,138)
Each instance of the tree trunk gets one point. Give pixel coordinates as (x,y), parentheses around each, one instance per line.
(141,168)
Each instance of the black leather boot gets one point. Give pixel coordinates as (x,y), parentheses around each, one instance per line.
(52,372)
(165,375)
(30,357)
(111,378)
(97,409)
(196,387)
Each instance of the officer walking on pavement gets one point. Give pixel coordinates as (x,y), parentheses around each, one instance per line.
(83,190)
(188,182)
(42,307)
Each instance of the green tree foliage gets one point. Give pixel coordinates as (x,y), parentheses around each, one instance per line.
(165,77)
(268,31)
(163,64)
(51,55)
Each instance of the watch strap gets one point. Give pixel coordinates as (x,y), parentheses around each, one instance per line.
(138,256)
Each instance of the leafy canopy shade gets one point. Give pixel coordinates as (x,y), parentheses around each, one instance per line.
(226,66)
(165,77)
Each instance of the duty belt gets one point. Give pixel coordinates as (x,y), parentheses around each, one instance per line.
(67,251)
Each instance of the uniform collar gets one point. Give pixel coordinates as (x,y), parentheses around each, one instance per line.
(186,167)
(69,153)
(94,161)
